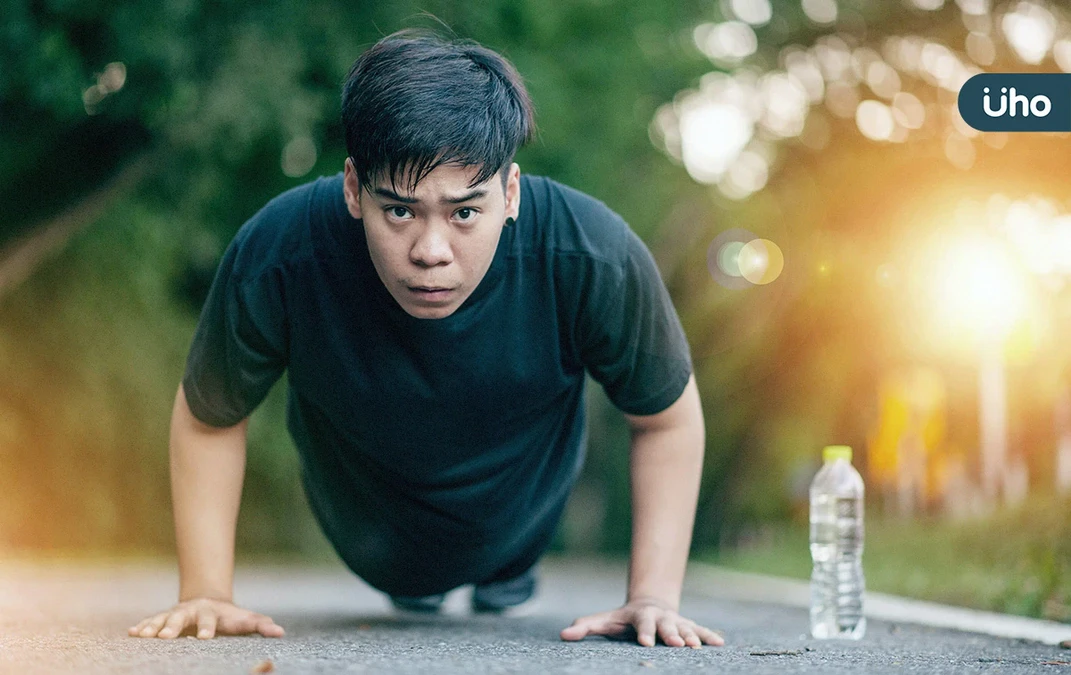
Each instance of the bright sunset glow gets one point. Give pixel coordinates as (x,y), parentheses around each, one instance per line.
(980,289)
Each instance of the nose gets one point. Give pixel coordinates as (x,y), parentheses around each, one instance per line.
(432,247)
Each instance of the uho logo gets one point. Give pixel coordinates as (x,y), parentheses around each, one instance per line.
(1017,102)
(1039,106)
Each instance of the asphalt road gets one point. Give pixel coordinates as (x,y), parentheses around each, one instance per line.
(66,619)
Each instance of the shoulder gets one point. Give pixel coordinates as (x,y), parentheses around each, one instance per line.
(280,232)
(571,223)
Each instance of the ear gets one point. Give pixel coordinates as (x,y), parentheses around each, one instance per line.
(513,191)
(351,189)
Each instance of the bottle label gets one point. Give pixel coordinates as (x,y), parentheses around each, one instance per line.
(849,524)
(847,508)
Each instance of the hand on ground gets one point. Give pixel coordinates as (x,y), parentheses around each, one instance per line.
(650,619)
(205,618)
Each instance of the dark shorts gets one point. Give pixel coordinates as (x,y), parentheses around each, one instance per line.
(389,562)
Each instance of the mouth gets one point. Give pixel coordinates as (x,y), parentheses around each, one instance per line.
(431,293)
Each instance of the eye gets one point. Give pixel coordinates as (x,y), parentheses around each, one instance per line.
(466,214)
(398,212)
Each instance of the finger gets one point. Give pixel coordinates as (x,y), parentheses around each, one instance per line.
(667,628)
(605,623)
(148,627)
(645,627)
(710,637)
(690,638)
(246,622)
(136,628)
(236,624)
(176,623)
(580,628)
(206,624)
(152,626)
(268,628)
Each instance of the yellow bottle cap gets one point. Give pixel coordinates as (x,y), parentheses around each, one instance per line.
(834,452)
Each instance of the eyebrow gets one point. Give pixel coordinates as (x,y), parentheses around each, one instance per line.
(391,194)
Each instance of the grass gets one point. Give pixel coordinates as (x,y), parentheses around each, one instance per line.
(1016,561)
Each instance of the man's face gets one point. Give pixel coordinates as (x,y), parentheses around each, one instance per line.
(433,246)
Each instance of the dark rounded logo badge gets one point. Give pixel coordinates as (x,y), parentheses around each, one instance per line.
(1017,102)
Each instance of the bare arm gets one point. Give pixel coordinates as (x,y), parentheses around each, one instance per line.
(207,470)
(666,462)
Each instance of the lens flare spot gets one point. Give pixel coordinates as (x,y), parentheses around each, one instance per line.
(723,258)
(755,12)
(299,157)
(821,12)
(875,120)
(1030,30)
(729,258)
(760,261)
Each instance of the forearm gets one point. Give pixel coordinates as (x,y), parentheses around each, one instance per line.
(207,469)
(666,465)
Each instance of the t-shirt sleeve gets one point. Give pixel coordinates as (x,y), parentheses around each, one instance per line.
(239,348)
(629,335)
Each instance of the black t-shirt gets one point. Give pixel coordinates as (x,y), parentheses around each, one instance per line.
(448,442)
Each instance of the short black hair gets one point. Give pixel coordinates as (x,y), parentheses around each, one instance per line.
(414,101)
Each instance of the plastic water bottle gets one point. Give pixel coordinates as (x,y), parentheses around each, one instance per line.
(837,547)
